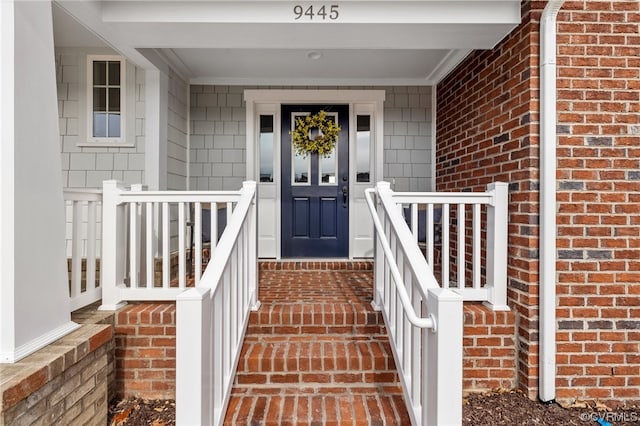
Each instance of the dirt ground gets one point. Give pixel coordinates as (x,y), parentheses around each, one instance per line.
(497,408)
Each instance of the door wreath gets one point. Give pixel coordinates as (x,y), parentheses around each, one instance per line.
(315,134)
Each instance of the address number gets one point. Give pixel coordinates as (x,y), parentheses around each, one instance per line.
(312,12)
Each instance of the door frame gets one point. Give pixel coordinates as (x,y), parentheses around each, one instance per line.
(269,101)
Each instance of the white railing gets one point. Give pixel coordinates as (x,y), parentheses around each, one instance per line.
(424,321)
(212,319)
(451,226)
(83,232)
(142,229)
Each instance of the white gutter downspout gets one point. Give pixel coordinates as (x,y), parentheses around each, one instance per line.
(547,314)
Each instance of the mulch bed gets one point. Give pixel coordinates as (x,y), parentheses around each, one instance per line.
(495,408)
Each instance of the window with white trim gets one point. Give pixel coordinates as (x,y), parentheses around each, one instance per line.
(106,99)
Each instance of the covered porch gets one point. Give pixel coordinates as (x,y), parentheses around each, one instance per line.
(349,330)
(190,140)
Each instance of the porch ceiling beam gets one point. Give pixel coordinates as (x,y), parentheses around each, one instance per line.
(281,11)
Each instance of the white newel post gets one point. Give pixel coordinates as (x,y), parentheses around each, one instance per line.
(113,260)
(194,395)
(497,239)
(34,292)
(442,365)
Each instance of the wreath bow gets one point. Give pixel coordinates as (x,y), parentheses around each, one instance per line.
(315,134)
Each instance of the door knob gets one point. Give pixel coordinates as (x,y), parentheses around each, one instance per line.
(345,192)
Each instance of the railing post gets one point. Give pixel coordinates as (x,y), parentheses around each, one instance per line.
(112,264)
(193,357)
(382,188)
(252,250)
(442,360)
(497,239)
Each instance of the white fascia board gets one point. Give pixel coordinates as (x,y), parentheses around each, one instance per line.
(332,82)
(329,36)
(282,11)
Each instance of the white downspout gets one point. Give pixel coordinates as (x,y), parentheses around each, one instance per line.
(547,315)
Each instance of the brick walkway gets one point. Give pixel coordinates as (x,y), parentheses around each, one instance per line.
(316,352)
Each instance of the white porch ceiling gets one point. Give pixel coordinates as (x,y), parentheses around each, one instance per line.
(260,42)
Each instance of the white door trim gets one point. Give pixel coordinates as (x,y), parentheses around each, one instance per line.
(269,101)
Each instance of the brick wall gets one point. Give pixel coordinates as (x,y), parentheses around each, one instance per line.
(486,132)
(145,352)
(218,140)
(598,202)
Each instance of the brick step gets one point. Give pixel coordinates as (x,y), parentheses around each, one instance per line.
(361,407)
(316,352)
(320,314)
(329,356)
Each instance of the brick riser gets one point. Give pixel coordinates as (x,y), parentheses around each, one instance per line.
(316,363)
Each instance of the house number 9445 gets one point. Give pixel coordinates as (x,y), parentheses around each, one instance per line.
(317,12)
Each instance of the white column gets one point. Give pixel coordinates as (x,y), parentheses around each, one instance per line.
(34,293)
(156,110)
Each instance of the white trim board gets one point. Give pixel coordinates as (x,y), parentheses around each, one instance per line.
(269,197)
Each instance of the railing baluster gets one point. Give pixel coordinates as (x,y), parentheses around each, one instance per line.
(76,252)
(462,250)
(445,246)
(166,262)
(91,247)
(214,227)
(133,246)
(406,325)
(414,221)
(197,234)
(182,271)
(477,283)
(430,230)
(149,263)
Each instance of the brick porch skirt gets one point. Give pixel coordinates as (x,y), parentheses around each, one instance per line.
(145,338)
(132,352)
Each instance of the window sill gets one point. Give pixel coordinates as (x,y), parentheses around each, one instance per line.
(105,145)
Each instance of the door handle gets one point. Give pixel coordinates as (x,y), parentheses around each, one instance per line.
(345,193)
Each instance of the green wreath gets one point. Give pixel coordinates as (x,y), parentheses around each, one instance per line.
(304,140)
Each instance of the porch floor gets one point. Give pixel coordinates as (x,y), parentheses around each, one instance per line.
(316,352)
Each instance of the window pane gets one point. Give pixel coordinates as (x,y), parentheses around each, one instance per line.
(266,148)
(99,73)
(301,168)
(363,148)
(99,99)
(328,168)
(114,126)
(99,125)
(114,99)
(114,73)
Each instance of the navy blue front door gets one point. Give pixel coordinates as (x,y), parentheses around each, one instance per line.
(315,190)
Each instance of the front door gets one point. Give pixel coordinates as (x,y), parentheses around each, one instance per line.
(315,190)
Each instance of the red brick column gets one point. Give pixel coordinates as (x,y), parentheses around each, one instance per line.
(146,350)
(489,356)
